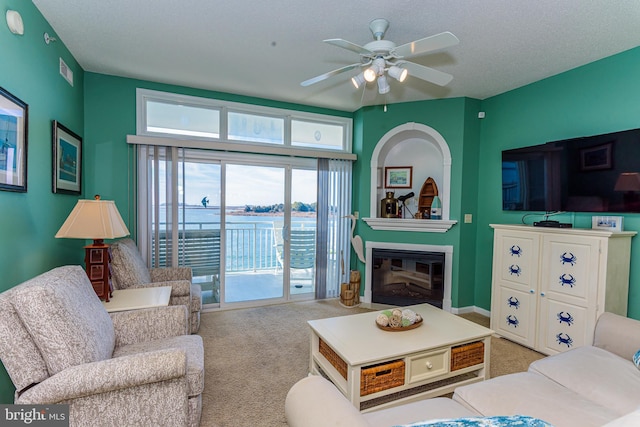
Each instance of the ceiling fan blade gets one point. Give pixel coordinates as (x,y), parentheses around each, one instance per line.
(345,44)
(325,76)
(426,73)
(427,44)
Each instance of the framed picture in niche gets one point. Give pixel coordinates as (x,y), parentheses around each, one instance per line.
(398,176)
(13,142)
(67,160)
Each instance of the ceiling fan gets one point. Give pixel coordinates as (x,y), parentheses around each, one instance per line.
(383,56)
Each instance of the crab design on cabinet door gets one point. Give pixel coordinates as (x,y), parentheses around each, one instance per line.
(515,269)
(513,302)
(567,279)
(515,250)
(564,339)
(568,258)
(565,318)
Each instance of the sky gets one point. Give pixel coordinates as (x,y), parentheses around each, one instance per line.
(247,185)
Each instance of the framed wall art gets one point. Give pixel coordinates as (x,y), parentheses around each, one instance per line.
(609,223)
(398,176)
(67,160)
(13,142)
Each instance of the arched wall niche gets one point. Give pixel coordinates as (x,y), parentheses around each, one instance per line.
(423,148)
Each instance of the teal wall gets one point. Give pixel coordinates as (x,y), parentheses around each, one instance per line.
(597,98)
(30,71)
(456,120)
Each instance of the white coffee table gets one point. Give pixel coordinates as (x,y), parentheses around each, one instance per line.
(135,299)
(446,351)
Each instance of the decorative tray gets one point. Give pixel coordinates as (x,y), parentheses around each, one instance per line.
(405,328)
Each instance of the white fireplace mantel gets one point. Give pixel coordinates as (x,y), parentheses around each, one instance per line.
(448,265)
(409,224)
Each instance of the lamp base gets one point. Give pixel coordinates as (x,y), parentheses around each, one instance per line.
(97,259)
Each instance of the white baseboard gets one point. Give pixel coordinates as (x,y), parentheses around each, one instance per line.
(471,309)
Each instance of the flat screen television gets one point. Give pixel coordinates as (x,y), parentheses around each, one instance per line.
(599,173)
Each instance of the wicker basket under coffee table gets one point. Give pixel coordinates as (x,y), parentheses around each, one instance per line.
(374,368)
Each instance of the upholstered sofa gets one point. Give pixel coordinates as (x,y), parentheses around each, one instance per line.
(130,270)
(590,386)
(60,346)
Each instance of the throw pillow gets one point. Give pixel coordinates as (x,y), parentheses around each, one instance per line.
(636,359)
(127,266)
(497,421)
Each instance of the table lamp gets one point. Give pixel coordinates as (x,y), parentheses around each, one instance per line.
(97,220)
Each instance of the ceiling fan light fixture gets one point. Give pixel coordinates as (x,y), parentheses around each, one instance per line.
(358,80)
(370,73)
(398,73)
(383,85)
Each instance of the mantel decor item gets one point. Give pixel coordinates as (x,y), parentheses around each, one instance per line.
(67,160)
(13,142)
(389,207)
(398,176)
(436,208)
(428,191)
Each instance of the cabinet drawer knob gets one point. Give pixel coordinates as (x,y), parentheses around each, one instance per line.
(532,291)
(429,365)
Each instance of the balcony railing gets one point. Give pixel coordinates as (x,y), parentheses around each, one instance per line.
(249,246)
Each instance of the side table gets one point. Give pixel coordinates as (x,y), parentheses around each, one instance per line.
(137,298)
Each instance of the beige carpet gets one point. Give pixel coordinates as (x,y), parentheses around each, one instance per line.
(253,357)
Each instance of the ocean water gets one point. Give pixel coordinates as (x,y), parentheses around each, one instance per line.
(209,218)
(250,239)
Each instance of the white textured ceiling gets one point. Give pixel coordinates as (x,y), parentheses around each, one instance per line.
(266,48)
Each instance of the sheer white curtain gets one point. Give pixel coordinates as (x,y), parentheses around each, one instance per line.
(159,175)
(334,204)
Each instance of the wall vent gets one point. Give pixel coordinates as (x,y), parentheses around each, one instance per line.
(66,72)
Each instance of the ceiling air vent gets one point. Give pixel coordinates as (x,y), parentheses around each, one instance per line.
(66,72)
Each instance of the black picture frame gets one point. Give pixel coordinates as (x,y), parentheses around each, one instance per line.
(14,129)
(67,160)
(398,176)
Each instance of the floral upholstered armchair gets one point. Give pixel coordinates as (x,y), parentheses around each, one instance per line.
(129,270)
(60,346)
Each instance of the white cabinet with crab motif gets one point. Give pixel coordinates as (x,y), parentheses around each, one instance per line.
(550,285)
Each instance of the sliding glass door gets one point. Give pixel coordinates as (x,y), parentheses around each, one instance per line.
(302,232)
(254,203)
(246,225)
(269,225)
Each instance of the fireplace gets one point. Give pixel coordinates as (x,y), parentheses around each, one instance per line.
(408,274)
(404,278)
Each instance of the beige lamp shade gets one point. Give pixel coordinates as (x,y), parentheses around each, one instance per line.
(628,181)
(93,219)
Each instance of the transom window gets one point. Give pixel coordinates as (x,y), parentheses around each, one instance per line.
(187,117)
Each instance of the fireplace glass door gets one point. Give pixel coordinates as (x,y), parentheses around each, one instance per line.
(402,278)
